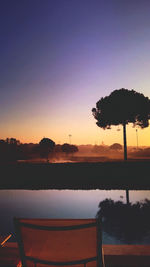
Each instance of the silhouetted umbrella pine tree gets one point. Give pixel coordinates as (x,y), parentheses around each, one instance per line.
(122,106)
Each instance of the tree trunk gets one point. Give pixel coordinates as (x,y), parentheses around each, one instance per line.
(125,141)
(127,196)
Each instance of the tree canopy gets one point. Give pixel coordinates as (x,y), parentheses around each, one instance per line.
(46,146)
(122,106)
(116,146)
(67,148)
(46,142)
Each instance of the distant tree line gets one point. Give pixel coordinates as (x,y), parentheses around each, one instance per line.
(133,152)
(103,148)
(12,150)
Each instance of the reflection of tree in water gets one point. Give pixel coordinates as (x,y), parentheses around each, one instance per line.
(128,223)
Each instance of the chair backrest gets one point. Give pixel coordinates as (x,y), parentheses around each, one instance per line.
(59,242)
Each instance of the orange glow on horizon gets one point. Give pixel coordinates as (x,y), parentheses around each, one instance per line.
(91,134)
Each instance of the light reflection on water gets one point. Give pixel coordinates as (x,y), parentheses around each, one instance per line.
(58,204)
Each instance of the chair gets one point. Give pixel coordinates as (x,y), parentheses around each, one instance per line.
(59,242)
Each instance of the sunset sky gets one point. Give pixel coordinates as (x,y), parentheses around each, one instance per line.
(59,57)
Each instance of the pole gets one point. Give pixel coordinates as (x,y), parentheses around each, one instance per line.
(137,137)
(125,141)
(127,196)
(70,138)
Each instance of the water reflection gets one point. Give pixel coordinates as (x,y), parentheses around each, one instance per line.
(129,223)
(71,204)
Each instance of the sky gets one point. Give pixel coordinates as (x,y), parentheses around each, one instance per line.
(59,57)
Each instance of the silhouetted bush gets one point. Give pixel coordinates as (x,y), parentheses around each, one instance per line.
(128,222)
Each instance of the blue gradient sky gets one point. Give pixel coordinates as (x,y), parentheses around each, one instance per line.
(59,57)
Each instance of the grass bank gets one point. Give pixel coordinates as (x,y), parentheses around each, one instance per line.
(99,175)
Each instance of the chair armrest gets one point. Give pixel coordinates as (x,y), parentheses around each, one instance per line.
(3,240)
(103,257)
